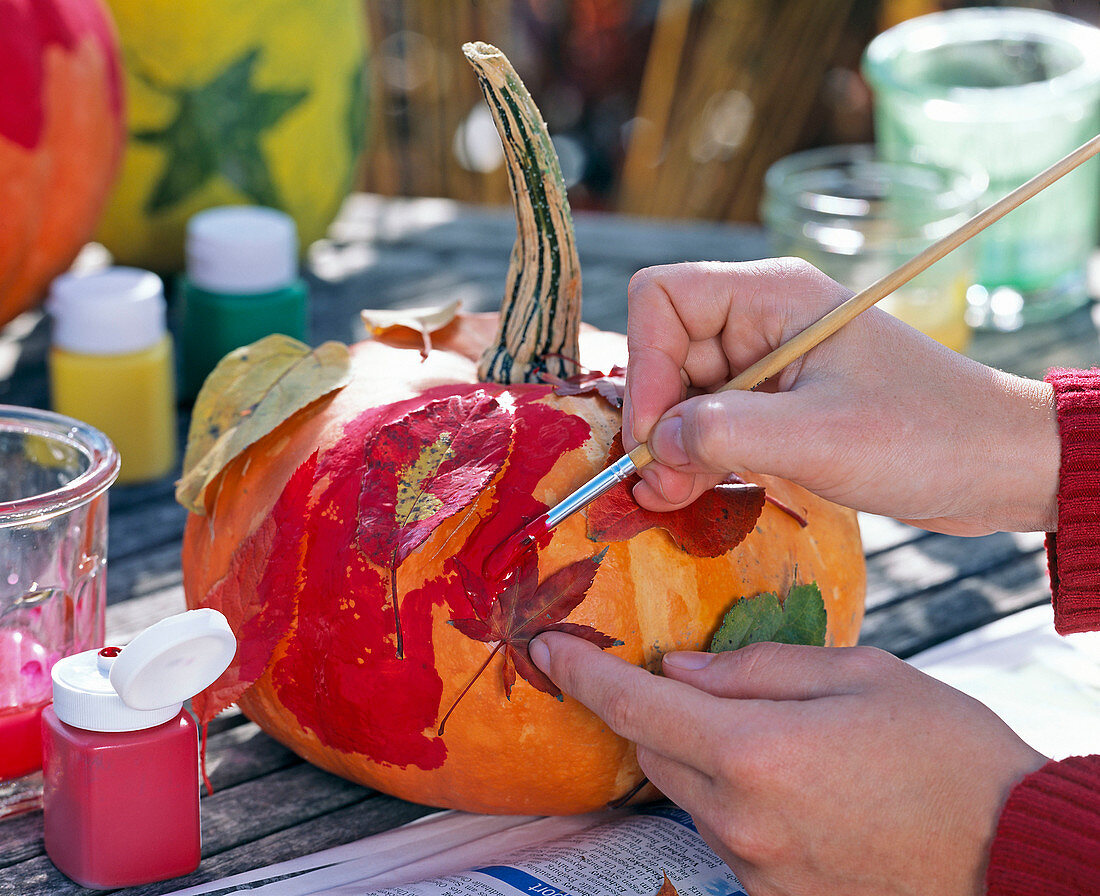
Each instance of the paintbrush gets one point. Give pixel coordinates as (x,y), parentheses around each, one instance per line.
(501,560)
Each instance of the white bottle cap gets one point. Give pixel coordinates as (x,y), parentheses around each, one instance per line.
(144,683)
(241,250)
(108,312)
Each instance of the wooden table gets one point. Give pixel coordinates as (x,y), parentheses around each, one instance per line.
(267,804)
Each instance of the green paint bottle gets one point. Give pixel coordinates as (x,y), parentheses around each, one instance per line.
(242,283)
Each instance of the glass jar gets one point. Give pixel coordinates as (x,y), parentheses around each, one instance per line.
(54,476)
(857,218)
(1013,91)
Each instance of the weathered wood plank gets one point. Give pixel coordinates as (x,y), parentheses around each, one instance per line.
(924,620)
(930,563)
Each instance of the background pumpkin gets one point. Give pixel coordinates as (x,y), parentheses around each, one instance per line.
(234,101)
(353,647)
(61,137)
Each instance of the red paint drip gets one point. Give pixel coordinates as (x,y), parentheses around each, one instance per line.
(504,558)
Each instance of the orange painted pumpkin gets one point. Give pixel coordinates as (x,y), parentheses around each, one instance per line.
(346,540)
(62,130)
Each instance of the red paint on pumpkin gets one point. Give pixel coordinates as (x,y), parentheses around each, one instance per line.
(256,594)
(340,675)
(28,30)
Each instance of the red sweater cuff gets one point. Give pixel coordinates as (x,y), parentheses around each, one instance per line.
(1073,553)
(1048,836)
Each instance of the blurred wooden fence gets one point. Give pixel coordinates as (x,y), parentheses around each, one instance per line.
(726,88)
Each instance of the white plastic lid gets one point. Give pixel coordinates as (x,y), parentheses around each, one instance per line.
(144,683)
(107,312)
(241,249)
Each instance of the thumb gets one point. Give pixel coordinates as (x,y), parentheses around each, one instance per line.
(736,430)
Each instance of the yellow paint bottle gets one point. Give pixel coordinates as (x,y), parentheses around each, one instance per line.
(111,364)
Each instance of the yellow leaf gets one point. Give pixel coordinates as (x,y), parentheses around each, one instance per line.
(413,503)
(251,391)
(424,321)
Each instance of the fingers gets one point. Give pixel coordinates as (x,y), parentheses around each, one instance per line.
(661,488)
(782,434)
(769,671)
(699,323)
(656,713)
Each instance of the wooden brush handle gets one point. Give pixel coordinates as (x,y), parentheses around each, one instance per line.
(798,345)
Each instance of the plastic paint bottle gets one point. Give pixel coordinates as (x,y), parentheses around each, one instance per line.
(242,284)
(111,364)
(120,754)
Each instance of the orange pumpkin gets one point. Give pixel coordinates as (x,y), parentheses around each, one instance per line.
(347,545)
(62,129)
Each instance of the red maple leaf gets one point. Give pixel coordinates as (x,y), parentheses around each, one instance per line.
(716,522)
(524,608)
(610,386)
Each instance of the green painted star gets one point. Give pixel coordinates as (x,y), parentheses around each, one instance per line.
(217,130)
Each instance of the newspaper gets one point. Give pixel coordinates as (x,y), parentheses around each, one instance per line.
(613,853)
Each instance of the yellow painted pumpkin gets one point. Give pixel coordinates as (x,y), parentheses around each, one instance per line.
(61,137)
(231,102)
(346,539)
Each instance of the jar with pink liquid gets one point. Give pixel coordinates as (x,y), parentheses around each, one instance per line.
(54,477)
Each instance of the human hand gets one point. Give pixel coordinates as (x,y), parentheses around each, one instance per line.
(811,769)
(878,417)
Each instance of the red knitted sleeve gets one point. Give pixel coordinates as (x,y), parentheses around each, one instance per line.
(1048,836)
(1073,553)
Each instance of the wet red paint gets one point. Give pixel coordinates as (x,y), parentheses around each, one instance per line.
(21,735)
(305,569)
(257,594)
(28,29)
(503,560)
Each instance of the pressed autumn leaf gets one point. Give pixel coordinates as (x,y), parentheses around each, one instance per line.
(522,610)
(716,522)
(667,889)
(609,386)
(423,468)
(799,619)
(426,466)
(422,321)
(251,391)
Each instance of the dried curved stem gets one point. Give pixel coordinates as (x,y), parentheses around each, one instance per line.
(541,312)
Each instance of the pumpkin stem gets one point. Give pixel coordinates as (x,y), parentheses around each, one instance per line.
(541,313)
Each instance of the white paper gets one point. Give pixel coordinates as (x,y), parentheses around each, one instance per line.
(1045,686)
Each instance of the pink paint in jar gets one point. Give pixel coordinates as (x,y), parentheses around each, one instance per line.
(120,753)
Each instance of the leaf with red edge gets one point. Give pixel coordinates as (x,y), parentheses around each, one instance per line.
(524,608)
(609,386)
(716,522)
(425,467)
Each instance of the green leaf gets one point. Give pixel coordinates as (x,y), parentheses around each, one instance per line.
(251,391)
(799,619)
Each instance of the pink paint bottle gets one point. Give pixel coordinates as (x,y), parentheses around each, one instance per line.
(120,753)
